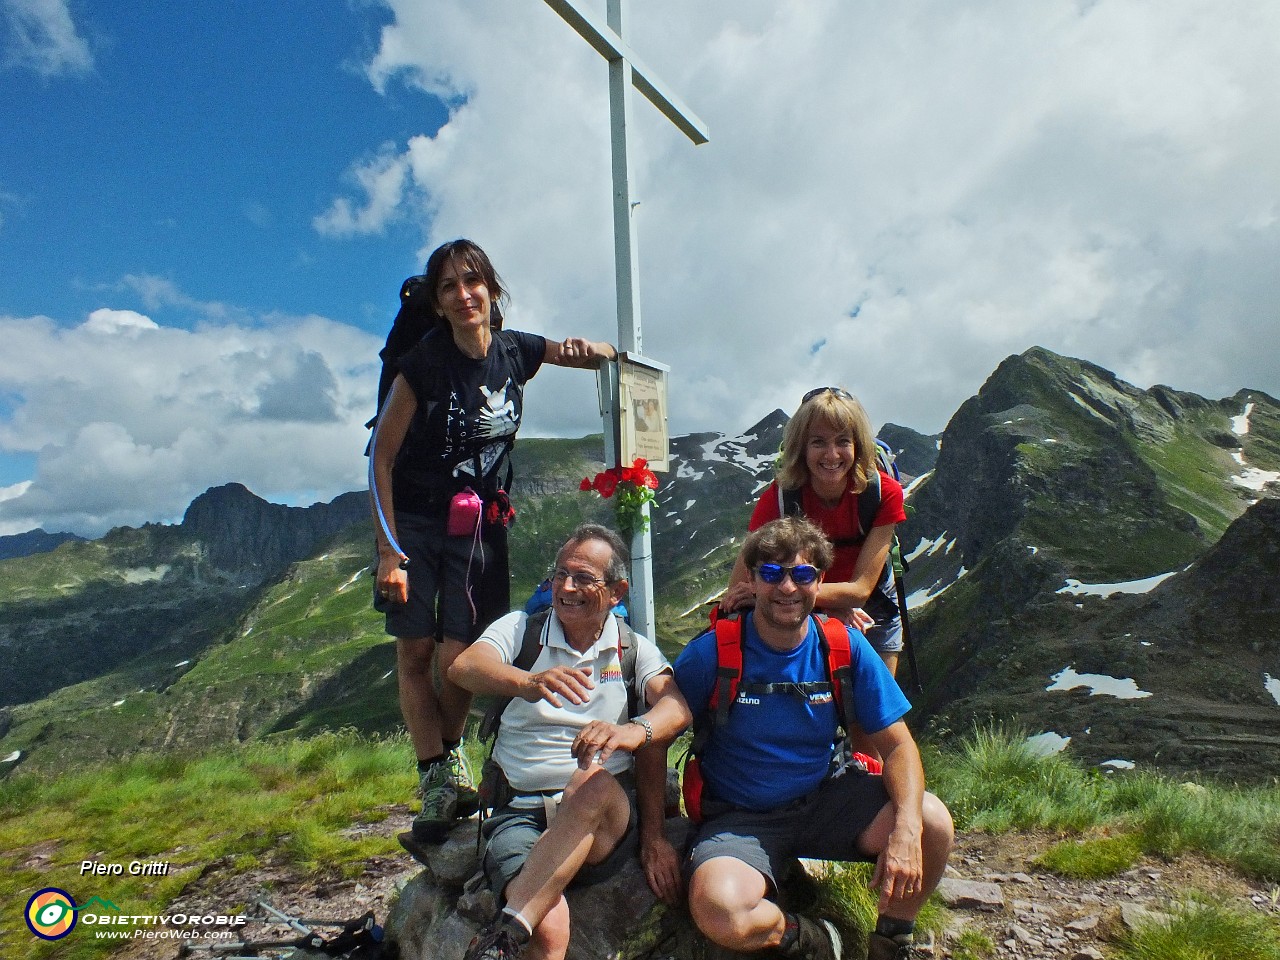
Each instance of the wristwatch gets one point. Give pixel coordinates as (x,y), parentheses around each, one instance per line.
(648,728)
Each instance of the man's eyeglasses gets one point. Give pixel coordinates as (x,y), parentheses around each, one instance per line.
(583,581)
(802,574)
(840,392)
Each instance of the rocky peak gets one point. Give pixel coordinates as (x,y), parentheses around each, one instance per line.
(243,533)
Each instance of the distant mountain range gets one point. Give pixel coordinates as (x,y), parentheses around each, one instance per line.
(1090,561)
(33,541)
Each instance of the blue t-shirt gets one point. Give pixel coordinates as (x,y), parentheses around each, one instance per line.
(777,747)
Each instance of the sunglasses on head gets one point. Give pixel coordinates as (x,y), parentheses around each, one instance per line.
(840,392)
(802,574)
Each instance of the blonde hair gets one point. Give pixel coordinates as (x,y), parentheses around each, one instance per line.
(840,411)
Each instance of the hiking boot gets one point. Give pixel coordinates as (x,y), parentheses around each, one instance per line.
(816,940)
(901,947)
(439,805)
(464,787)
(498,942)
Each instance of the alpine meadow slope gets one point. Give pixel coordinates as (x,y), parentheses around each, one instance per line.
(1067,531)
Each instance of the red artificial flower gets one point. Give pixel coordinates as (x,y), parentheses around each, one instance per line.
(585,484)
(606,483)
(649,479)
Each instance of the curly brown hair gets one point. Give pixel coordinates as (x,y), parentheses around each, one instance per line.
(778,541)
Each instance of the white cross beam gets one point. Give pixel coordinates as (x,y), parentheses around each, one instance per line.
(626,70)
(611,46)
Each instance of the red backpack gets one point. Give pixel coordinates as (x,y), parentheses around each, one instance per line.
(834,637)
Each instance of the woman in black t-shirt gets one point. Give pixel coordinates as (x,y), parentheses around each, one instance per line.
(448,425)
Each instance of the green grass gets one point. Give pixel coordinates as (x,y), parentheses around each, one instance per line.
(1092,859)
(226,810)
(993,782)
(1203,931)
(972,945)
(844,894)
(236,808)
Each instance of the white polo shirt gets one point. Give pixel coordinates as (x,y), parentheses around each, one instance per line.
(534,739)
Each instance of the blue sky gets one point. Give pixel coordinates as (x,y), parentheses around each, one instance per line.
(205,215)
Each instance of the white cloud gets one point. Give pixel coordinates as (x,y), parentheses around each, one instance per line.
(382,181)
(42,37)
(894,197)
(130,420)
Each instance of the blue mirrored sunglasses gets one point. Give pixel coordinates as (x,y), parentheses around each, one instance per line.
(802,574)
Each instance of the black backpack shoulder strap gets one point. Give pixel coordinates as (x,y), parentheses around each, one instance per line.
(627,652)
(531,643)
(530,647)
(869,502)
(789,504)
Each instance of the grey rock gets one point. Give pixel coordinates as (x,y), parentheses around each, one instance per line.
(970,894)
(438,912)
(1133,915)
(1084,924)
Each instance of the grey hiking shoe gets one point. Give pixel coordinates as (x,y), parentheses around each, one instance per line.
(439,805)
(464,786)
(497,942)
(880,947)
(816,940)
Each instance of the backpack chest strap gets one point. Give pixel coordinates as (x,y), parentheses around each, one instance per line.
(803,690)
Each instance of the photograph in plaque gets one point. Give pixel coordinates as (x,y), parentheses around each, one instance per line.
(642,396)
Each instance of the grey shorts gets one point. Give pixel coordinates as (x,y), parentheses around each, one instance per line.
(511,832)
(825,825)
(886,636)
(444,581)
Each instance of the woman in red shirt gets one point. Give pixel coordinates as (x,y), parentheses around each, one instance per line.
(828,463)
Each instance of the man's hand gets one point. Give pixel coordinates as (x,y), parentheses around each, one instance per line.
(596,741)
(661,866)
(899,872)
(572,683)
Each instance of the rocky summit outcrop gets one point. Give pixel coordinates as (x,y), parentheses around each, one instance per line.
(438,912)
(1078,568)
(243,533)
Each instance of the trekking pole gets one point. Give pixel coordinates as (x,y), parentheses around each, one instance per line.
(292,922)
(907,642)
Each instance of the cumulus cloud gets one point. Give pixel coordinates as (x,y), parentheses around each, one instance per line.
(129,420)
(382,182)
(895,197)
(42,36)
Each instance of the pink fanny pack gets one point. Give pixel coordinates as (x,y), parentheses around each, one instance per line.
(464,514)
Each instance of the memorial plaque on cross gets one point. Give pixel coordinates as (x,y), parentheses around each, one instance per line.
(627,70)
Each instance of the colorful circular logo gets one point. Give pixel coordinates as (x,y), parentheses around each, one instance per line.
(51,913)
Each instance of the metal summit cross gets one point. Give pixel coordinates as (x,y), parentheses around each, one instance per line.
(626,70)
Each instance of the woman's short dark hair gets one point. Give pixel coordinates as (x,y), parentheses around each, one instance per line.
(620,558)
(466,254)
(779,541)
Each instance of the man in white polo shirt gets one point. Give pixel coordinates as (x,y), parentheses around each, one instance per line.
(566,746)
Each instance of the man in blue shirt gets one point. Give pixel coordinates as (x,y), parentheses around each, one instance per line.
(768,794)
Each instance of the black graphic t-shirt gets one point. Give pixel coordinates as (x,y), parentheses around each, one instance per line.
(468,413)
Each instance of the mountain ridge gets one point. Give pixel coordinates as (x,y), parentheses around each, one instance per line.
(1056,472)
